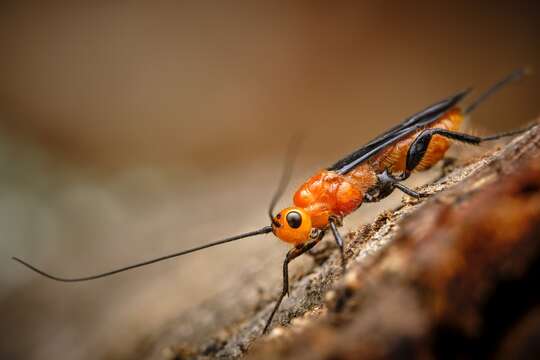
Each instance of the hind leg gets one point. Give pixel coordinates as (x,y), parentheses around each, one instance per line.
(416,152)
(420,145)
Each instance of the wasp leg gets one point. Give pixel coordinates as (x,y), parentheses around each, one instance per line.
(387,183)
(339,242)
(291,255)
(410,192)
(418,148)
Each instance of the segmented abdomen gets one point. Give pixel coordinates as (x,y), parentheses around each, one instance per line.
(394,156)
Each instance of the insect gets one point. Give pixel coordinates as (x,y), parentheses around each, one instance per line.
(368,174)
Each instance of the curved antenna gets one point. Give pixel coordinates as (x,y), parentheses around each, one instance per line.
(264,230)
(514,76)
(290,156)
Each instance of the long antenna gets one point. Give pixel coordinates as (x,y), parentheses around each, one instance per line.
(514,76)
(264,230)
(290,156)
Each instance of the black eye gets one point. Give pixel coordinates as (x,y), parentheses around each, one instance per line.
(294,219)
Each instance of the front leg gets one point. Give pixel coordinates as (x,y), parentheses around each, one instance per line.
(291,255)
(334,222)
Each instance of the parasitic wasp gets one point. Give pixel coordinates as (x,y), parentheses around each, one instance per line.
(368,174)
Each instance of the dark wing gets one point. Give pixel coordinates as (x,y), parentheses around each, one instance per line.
(411,124)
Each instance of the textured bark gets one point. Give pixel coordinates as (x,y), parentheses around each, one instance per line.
(451,276)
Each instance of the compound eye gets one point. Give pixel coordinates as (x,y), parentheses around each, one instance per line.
(294,219)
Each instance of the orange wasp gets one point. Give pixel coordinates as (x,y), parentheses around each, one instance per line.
(369,174)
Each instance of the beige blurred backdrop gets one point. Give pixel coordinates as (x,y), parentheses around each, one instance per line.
(129,130)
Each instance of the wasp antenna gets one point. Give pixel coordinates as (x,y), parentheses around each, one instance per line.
(264,230)
(290,156)
(514,76)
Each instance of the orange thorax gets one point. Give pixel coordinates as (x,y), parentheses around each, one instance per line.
(328,193)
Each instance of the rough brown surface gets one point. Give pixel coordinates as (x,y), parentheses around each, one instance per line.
(459,279)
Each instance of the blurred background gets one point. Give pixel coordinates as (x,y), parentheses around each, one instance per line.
(129,130)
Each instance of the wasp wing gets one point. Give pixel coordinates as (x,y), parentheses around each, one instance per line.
(398,132)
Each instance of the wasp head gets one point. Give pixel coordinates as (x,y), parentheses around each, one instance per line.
(292,225)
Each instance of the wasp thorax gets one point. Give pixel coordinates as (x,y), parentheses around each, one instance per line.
(292,225)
